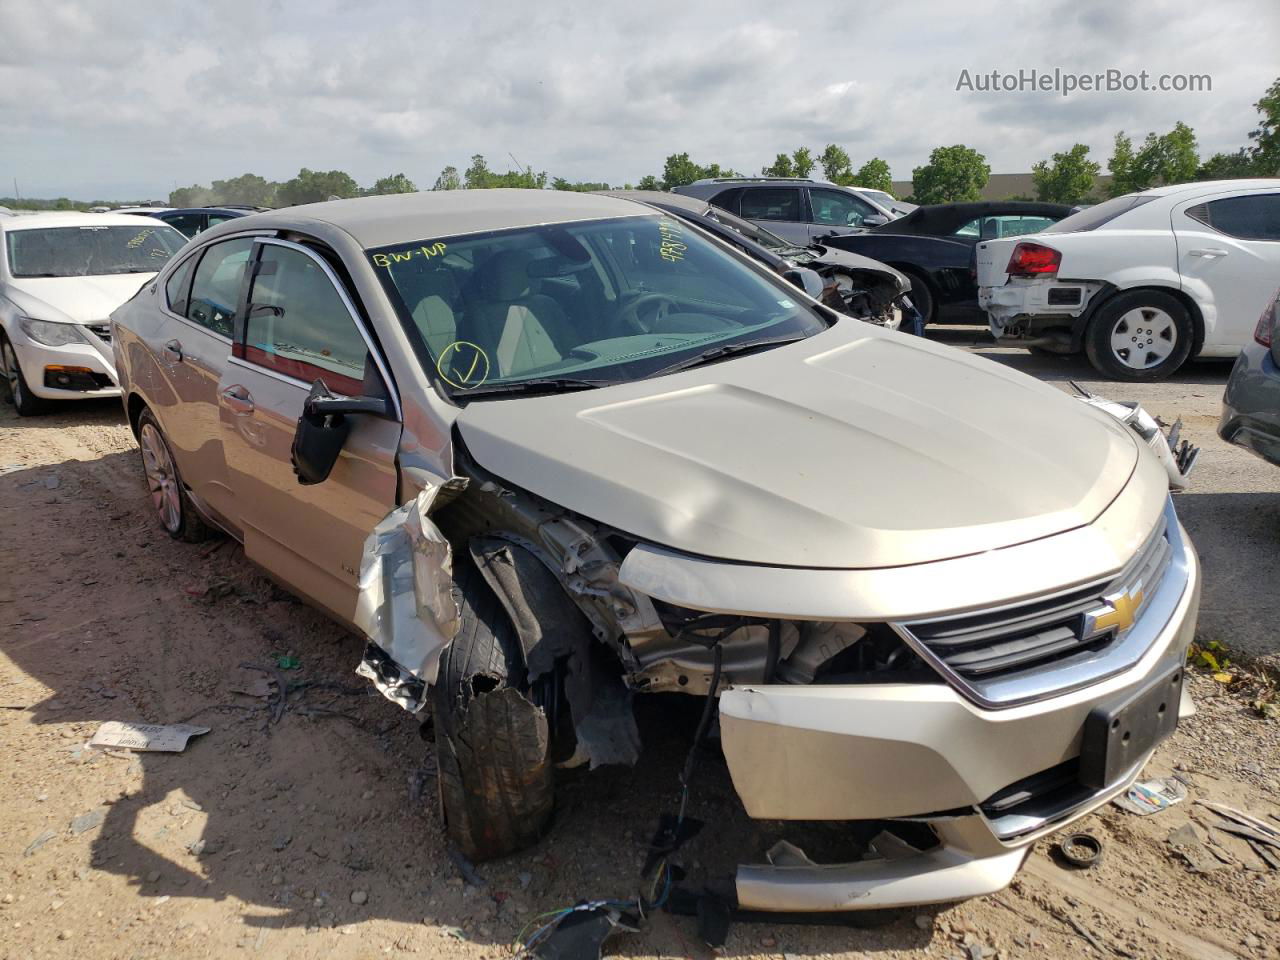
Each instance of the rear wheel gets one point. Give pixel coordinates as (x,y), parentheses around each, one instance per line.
(18,393)
(1142,335)
(173,507)
(492,743)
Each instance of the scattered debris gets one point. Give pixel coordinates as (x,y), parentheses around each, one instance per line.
(288,661)
(38,842)
(261,687)
(579,932)
(1152,796)
(359,897)
(87,821)
(146,736)
(1186,843)
(1262,838)
(1081,850)
(465,867)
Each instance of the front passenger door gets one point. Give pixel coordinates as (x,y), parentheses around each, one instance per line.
(300,326)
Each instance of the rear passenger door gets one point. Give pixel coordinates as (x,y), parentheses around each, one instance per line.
(780,210)
(1229,260)
(300,324)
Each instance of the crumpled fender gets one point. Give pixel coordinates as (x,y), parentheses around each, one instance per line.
(406,605)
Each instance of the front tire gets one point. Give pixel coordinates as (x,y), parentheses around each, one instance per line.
(174,510)
(921,296)
(26,403)
(1139,336)
(492,743)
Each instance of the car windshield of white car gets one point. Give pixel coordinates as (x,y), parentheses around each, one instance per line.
(1091,218)
(583,304)
(91,251)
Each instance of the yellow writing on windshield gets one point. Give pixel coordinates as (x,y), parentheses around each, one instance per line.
(139,239)
(404,256)
(672,245)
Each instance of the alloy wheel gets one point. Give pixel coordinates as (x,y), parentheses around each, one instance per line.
(1144,337)
(162,478)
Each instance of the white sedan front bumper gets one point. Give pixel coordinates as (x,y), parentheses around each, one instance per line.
(93,355)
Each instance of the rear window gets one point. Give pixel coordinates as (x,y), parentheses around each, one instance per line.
(1091,218)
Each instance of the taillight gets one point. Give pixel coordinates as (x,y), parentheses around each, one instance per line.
(1033,260)
(1266,327)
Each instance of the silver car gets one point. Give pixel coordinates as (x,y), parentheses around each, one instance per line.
(549,451)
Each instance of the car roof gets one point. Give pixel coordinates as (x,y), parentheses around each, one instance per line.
(940,218)
(402,217)
(1213,186)
(660,198)
(37,220)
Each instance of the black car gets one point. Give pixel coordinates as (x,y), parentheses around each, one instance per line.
(934,247)
(852,284)
(193,220)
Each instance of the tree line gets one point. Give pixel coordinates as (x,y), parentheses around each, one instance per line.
(952,174)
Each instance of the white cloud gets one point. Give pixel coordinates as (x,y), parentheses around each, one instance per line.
(113,100)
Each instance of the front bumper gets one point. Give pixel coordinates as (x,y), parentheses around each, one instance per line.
(36,358)
(1251,406)
(923,753)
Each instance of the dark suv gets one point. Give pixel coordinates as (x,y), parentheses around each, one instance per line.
(799,210)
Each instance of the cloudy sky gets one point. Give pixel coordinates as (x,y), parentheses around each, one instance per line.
(121,101)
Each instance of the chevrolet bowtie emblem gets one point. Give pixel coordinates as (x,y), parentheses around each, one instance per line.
(1118,615)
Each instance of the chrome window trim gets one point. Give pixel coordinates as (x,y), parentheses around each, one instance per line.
(340,288)
(161,279)
(1057,680)
(234,361)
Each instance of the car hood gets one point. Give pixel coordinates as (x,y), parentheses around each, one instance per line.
(855,448)
(825,256)
(74,299)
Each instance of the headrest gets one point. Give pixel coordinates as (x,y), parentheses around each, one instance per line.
(505,275)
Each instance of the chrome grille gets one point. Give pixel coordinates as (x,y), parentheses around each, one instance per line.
(980,652)
(100,330)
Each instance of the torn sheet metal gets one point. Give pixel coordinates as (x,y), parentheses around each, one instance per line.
(1177,456)
(552,630)
(406,605)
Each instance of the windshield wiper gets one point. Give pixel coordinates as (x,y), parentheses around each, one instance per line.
(724,351)
(534,386)
(131,270)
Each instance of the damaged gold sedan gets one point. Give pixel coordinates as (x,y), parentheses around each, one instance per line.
(548,451)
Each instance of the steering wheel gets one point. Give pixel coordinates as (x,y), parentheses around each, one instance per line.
(629,313)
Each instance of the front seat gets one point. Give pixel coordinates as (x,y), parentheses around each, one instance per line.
(430,294)
(519,330)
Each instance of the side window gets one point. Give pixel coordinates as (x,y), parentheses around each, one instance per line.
(217,218)
(729,199)
(1252,217)
(178,285)
(771,203)
(837,208)
(188,224)
(215,291)
(298,324)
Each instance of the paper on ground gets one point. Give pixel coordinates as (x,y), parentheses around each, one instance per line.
(145,736)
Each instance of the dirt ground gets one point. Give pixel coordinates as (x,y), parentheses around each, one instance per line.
(314,833)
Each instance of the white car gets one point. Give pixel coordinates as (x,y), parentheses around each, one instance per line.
(885,201)
(1143,282)
(61,275)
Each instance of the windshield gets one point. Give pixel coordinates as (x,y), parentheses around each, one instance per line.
(91,251)
(1090,218)
(583,304)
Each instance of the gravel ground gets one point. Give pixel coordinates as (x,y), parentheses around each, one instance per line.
(315,835)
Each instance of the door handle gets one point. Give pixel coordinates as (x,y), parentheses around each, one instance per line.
(173,350)
(238,399)
(1208,252)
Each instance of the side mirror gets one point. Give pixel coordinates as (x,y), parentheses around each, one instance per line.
(874,220)
(806,279)
(322,430)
